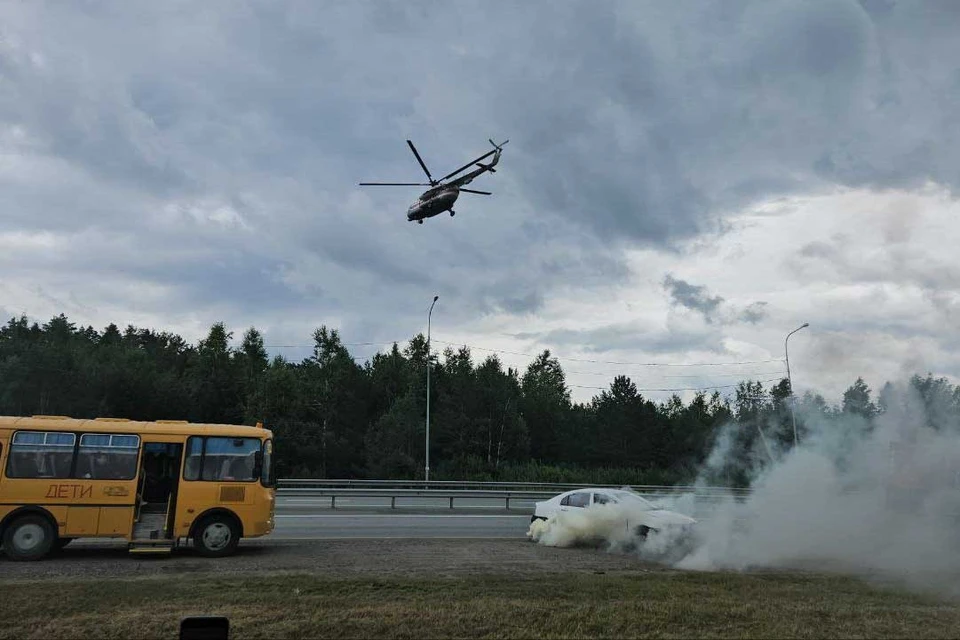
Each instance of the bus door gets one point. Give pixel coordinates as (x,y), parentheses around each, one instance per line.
(3,466)
(157,491)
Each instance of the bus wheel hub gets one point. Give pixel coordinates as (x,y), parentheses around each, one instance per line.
(28,537)
(216,535)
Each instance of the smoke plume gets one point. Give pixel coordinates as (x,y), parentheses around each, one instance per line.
(877,497)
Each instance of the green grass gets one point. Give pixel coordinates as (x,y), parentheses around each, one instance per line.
(657,605)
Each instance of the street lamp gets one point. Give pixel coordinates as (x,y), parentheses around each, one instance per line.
(426,469)
(786,353)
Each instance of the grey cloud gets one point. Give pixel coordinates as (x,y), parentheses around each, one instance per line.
(636,136)
(897,262)
(630,337)
(754,312)
(6,314)
(714,309)
(753,93)
(630,124)
(528,303)
(692,297)
(891,327)
(817,249)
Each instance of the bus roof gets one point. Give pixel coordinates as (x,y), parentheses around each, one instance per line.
(123,425)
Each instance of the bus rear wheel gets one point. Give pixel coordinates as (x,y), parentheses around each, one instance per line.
(29,537)
(216,536)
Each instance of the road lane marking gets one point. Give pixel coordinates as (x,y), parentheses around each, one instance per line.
(396,515)
(323,501)
(424,537)
(389,510)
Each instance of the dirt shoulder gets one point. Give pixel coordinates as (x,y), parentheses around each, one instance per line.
(336,558)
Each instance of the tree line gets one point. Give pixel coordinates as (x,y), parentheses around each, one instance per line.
(334,417)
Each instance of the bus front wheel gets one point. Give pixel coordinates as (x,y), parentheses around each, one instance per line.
(28,538)
(216,536)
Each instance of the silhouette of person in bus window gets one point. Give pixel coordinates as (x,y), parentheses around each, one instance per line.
(98,467)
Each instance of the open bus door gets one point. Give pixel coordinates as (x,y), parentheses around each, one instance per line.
(157,491)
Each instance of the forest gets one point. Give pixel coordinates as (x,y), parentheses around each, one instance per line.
(335,417)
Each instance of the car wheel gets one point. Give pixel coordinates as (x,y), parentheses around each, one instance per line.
(216,536)
(28,538)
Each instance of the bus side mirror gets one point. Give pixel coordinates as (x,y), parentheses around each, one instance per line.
(205,628)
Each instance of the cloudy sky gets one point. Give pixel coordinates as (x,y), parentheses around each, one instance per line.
(685,182)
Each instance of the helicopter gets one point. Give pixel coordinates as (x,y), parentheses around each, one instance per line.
(441,195)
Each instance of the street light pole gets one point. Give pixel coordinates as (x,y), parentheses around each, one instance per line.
(786,353)
(426,469)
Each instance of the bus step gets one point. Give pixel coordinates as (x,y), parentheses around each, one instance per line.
(150,546)
(150,526)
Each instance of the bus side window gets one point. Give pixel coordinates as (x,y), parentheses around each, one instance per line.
(191,467)
(37,454)
(108,457)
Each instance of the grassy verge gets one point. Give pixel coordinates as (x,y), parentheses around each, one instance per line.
(570,605)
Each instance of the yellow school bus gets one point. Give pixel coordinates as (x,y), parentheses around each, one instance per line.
(154,484)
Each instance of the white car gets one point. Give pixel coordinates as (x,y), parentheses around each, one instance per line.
(642,517)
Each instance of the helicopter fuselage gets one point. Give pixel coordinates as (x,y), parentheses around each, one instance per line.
(433,202)
(441,195)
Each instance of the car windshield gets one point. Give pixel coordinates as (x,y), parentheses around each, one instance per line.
(632,499)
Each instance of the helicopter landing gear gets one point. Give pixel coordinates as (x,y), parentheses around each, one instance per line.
(420,221)
(452,213)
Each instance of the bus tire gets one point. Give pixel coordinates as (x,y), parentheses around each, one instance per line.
(29,537)
(216,535)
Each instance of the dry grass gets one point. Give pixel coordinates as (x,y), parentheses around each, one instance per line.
(658,605)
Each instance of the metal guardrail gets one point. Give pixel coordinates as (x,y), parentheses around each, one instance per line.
(468,490)
(302,483)
(394,494)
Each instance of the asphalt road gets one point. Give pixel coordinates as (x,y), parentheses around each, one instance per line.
(332,526)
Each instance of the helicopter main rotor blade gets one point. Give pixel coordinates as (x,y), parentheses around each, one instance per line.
(395,184)
(484,193)
(420,160)
(468,165)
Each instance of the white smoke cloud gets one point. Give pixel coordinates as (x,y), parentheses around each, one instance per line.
(884,500)
(597,524)
(880,501)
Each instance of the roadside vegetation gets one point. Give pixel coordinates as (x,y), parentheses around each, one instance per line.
(339,415)
(586,605)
